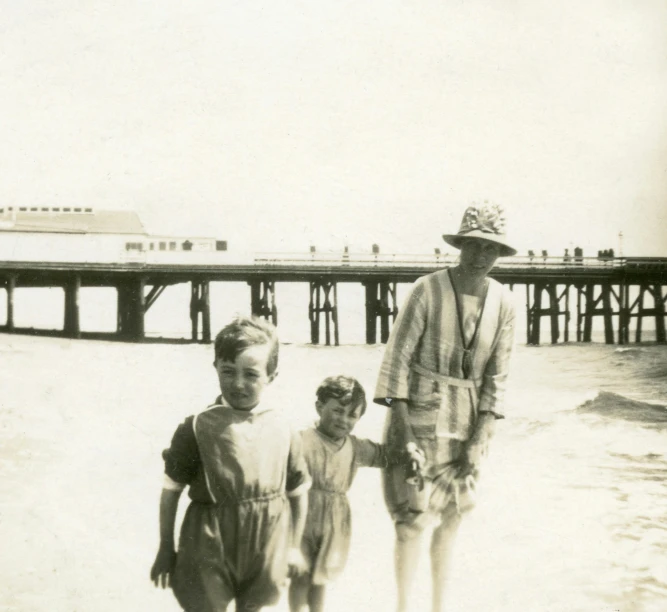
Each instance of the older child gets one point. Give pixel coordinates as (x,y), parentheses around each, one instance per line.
(333,456)
(245,470)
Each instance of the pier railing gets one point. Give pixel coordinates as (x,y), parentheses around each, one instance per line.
(430,260)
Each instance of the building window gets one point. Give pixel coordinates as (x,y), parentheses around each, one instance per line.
(220,245)
(57,209)
(88,210)
(152,246)
(163,246)
(187,246)
(34,209)
(45,210)
(77,210)
(67,209)
(23,209)
(172,246)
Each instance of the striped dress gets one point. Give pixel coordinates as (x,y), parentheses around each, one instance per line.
(423,364)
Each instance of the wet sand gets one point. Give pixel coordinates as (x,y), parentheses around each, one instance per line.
(82,426)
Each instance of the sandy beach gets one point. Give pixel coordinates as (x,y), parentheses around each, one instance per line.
(83,423)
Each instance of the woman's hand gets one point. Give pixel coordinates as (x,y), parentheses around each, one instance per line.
(400,432)
(162,572)
(477,447)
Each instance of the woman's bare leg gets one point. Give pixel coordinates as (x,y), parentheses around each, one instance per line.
(316,597)
(299,588)
(442,543)
(406,560)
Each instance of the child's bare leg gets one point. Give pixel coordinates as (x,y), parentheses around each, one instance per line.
(316,597)
(299,589)
(442,543)
(406,559)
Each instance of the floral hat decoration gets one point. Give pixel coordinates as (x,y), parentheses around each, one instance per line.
(485,221)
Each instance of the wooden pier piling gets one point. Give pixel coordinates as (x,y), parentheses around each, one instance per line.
(381,303)
(580,315)
(606,311)
(131,309)
(71,327)
(263,299)
(535,314)
(10,285)
(200,308)
(658,311)
(323,301)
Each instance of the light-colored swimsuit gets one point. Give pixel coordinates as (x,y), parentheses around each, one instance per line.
(326,540)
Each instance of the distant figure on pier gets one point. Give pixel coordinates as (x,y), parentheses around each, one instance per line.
(346,256)
(578,255)
(443,379)
(566,257)
(248,484)
(531,255)
(544,255)
(606,255)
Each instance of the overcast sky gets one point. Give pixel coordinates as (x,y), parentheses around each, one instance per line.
(281,124)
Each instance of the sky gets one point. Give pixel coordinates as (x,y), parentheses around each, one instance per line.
(284,124)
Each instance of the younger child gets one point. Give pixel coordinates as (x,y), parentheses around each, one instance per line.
(333,456)
(246,472)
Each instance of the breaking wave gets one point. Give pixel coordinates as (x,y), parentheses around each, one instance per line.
(614,406)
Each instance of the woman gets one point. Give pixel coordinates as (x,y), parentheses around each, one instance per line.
(443,377)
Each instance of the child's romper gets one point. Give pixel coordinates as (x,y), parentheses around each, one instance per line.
(326,539)
(241,466)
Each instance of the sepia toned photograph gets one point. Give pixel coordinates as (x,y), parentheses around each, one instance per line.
(333,306)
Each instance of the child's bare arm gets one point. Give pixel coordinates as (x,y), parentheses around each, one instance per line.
(299,507)
(163,567)
(373,454)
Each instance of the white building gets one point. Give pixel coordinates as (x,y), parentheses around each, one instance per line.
(77,234)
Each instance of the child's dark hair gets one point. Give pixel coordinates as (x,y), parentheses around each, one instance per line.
(345,389)
(244,332)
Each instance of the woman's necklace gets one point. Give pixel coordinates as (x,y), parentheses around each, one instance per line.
(468,347)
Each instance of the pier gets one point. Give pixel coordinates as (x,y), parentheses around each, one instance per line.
(567,295)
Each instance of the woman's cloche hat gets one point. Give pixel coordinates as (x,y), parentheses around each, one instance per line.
(485,221)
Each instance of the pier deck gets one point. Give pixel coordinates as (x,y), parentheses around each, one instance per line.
(604,288)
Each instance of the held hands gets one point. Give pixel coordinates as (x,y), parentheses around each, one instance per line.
(162,571)
(415,456)
(414,461)
(297,563)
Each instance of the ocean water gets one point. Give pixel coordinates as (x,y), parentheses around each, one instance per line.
(573,502)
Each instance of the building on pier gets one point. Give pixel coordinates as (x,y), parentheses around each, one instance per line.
(87,235)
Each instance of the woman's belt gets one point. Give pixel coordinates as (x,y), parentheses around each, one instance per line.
(467,383)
